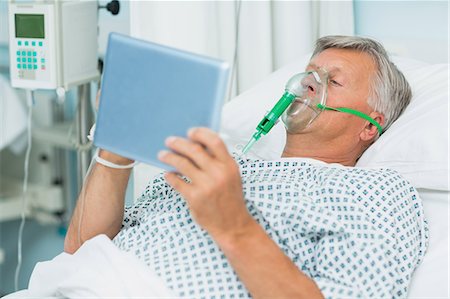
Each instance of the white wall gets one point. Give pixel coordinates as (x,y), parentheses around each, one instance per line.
(3,21)
(416,29)
(109,23)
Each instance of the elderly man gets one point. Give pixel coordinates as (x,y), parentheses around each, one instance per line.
(309,227)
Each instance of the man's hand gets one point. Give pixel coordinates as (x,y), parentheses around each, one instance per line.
(214,196)
(214,193)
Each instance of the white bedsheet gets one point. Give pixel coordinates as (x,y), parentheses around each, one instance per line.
(431,279)
(97,270)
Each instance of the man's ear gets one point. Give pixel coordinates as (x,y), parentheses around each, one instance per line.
(370,131)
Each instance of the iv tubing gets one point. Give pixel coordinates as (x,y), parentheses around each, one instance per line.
(30,101)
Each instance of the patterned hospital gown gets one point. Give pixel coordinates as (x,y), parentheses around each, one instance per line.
(358,233)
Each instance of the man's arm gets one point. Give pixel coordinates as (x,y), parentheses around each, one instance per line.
(103,194)
(264,269)
(215,199)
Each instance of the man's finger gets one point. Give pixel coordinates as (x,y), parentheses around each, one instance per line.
(211,141)
(182,164)
(177,183)
(192,150)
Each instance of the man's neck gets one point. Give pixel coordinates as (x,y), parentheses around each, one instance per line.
(329,152)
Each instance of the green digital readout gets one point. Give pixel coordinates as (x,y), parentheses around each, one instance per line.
(29,26)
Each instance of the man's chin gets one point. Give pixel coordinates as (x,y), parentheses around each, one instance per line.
(303,131)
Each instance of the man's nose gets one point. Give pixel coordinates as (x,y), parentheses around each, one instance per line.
(311,90)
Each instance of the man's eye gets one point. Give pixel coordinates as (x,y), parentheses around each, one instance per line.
(334,82)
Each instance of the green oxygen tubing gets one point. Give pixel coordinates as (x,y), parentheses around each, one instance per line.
(270,119)
(293,89)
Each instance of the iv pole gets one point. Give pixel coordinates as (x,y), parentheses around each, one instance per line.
(84,120)
(83,124)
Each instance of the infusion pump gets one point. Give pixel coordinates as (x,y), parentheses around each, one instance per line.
(53,43)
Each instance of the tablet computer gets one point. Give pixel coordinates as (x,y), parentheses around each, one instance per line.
(151,92)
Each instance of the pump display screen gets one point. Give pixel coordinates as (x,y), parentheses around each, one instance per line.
(29,26)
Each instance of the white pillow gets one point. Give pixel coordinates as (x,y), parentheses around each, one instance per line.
(416,145)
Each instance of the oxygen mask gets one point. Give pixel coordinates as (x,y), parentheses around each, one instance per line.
(311,94)
(299,105)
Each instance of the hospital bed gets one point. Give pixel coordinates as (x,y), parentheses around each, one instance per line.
(416,146)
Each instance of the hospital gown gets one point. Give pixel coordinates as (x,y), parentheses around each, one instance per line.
(358,233)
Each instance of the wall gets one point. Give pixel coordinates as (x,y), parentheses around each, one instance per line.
(416,29)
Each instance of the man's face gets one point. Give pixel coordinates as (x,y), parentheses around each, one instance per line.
(349,75)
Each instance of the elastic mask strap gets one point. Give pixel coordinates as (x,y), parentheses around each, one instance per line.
(354,112)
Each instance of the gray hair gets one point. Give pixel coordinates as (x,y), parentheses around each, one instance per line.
(389,93)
